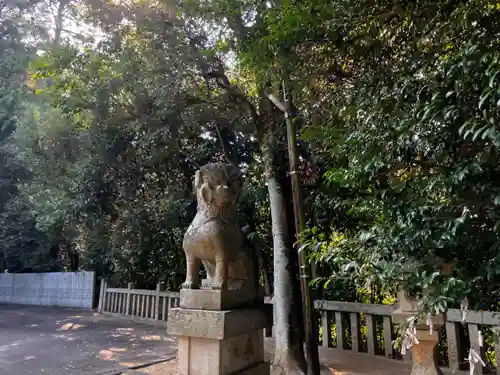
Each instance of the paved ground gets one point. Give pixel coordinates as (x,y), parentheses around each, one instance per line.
(333,363)
(345,362)
(55,341)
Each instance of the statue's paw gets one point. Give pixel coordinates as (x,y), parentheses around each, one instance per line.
(188,284)
(217,284)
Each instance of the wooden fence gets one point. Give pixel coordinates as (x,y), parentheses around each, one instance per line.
(358,327)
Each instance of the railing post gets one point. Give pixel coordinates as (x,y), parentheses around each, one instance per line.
(149,312)
(133,299)
(102,296)
(453,346)
(340,330)
(370,333)
(164,309)
(325,322)
(127,302)
(159,287)
(144,312)
(474,344)
(387,336)
(121,303)
(354,331)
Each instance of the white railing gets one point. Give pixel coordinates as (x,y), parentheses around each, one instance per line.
(475,321)
(368,328)
(357,327)
(342,323)
(152,305)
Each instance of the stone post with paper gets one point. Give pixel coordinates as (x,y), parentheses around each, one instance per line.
(421,336)
(220,319)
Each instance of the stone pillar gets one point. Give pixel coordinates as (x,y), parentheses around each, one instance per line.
(220,332)
(424,362)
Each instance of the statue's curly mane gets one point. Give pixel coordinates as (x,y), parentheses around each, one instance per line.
(217,175)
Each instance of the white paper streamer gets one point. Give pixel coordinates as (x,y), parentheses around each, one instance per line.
(474,359)
(464,306)
(410,336)
(430,324)
(480,339)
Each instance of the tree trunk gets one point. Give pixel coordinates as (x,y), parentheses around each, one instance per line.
(288,354)
(74,259)
(59,21)
(71,254)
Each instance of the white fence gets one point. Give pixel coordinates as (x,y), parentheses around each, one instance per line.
(65,289)
(152,305)
(367,328)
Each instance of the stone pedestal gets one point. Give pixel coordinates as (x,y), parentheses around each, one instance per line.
(220,333)
(424,361)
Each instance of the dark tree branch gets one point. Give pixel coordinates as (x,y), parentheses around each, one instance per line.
(223,145)
(223,82)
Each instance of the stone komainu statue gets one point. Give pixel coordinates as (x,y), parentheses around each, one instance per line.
(214,237)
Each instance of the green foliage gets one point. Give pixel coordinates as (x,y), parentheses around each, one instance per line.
(111,141)
(410,139)
(18,234)
(398,107)
(109,144)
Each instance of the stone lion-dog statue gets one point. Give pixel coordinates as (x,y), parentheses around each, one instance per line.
(214,237)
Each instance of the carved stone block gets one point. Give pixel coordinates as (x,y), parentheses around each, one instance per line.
(208,299)
(217,325)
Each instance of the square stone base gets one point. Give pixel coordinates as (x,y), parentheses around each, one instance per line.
(243,354)
(209,299)
(229,342)
(218,325)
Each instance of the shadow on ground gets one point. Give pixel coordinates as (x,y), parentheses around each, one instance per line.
(56,341)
